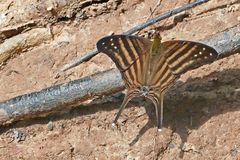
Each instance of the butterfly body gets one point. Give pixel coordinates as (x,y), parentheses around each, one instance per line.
(149,68)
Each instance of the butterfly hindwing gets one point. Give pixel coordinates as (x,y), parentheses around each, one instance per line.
(130,54)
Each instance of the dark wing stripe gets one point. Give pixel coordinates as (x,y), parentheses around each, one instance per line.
(183,57)
(129,75)
(143,60)
(144,65)
(165,69)
(167,85)
(196,56)
(134,48)
(168,80)
(159,71)
(183,66)
(177,53)
(128,52)
(135,72)
(111,46)
(128,55)
(137,67)
(171,48)
(125,56)
(165,76)
(136,45)
(165,79)
(114,57)
(128,84)
(157,76)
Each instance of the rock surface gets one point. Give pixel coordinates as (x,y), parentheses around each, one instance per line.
(196,129)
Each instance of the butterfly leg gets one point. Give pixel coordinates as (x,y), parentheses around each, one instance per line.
(128,97)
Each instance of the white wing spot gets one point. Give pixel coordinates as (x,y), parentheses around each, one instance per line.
(205,57)
(115,47)
(105,47)
(200,53)
(111,39)
(103,43)
(112,44)
(204,49)
(195,55)
(210,54)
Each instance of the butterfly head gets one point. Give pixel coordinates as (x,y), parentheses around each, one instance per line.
(157,36)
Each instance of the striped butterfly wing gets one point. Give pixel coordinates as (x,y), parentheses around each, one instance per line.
(130,54)
(177,57)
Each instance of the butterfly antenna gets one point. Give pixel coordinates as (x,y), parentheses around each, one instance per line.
(151,12)
(154,9)
(163,27)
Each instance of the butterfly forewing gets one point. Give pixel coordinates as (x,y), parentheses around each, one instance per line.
(188,55)
(178,57)
(130,54)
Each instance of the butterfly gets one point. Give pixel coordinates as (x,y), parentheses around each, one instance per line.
(150,68)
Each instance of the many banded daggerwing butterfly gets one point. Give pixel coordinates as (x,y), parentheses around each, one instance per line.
(149,68)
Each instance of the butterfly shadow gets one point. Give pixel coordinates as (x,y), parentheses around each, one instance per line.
(188,105)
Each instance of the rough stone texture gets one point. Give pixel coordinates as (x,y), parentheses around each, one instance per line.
(196,129)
